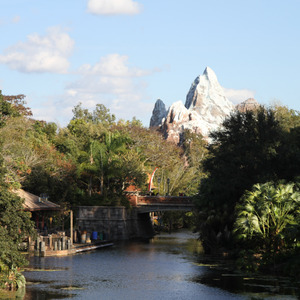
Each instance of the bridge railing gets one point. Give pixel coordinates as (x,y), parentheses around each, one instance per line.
(136,200)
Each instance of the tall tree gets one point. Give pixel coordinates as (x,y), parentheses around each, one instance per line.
(106,162)
(12,106)
(243,152)
(100,114)
(15,225)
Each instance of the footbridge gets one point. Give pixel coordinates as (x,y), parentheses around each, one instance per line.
(147,204)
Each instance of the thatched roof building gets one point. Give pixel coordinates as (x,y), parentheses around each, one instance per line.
(36,203)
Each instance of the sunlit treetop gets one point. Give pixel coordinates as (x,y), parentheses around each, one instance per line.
(12,106)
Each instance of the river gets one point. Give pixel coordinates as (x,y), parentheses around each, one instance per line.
(166,267)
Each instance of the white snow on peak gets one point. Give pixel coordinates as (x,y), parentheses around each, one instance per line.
(177,110)
(206,91)
(205,108)
(210,75)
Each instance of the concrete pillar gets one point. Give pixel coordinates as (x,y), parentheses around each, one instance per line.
(59,245)
(69,244)
(50,242)
(37,243)
(109,223)
(63,243)
(55,246)
(42,248)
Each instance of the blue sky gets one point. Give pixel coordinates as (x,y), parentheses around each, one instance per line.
(126,54)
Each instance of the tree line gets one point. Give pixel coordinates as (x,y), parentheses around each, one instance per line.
(249,200)
(91,161)
(245,183)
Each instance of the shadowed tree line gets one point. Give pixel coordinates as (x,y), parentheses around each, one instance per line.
(15,223)
(249,199)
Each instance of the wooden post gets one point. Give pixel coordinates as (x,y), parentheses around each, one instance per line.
(63,220)
(71,227)
(43,222)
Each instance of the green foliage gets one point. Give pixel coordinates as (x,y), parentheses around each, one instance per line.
(15,225)
(31,159)
(99,115)
(12,106)
(48,129)
(109,157)
(106,163)
(288,118)
(174,220)
(243,152)
(180,165)
(248,260)
(250,148)
(108,166)
(18,149)
(267,214)
(195,152)
(11,279)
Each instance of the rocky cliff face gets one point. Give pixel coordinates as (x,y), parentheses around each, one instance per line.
(249,104)
(180,118)
(158,114)
(205,108)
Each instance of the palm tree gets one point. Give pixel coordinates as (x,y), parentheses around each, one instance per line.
(266,213)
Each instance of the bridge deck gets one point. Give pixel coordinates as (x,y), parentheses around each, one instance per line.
(160,203)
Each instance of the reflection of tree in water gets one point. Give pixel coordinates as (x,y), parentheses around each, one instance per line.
(222,277)
(169,221)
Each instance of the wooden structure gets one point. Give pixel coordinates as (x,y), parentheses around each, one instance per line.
(36,203)
(39,208)
(51,242)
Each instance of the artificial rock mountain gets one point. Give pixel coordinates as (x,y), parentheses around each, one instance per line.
(205,108)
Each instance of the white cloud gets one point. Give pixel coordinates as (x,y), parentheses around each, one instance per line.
(238,96)
(39,54)
(114,7)
(113,65)
(112,82)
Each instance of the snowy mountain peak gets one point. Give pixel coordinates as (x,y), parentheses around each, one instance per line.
(210,74)
(205,109)
(207,97)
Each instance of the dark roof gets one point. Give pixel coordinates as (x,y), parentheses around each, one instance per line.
(34,203)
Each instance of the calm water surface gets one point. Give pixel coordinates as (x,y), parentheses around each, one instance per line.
(165,268)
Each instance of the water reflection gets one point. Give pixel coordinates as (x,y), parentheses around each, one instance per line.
(167,267)
(260,287)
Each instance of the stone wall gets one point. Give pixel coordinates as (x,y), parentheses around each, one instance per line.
(114,223)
